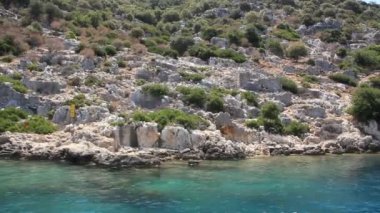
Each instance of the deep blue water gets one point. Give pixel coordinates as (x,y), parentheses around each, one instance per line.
(280,184)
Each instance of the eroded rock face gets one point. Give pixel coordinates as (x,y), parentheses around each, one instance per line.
(264,85)
(148,135)
(83,115)
(125,136)
(44,87)
(177,138)
(372,128)
(11,98)
(147,101)
(219,42)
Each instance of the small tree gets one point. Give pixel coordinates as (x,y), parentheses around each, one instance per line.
(296,50)
(366,104)
(52,12)
(36,9)
(252,36)
(181,44)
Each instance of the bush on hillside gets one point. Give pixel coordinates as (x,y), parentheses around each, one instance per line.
(16,83)
(250,97)
(344,79)
(171,16)
(252,36)
(285,32)
(9,46)
(181,44)
(215,103)
(296,128)
(289,85)
(17,120)
(146,17)
(274,46)
(366,104)
(369,57)
(166,117)
(156,90)
(194,96)
(296,50)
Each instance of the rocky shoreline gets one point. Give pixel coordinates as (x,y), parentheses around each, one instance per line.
(63,146)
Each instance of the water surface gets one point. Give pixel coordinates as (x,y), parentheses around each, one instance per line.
(348,183)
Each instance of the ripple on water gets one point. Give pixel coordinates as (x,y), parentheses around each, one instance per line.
(348,183)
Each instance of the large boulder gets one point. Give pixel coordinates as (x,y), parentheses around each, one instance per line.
(144,100)
(219,42)
(177,138)
(11,98)
(83,115)
(44,87)
(266,84)
(125,136)
(353,141)
(148,135)
(371,128)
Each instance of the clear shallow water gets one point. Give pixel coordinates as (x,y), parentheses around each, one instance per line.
(281,184)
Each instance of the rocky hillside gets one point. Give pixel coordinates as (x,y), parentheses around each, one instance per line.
(125,82)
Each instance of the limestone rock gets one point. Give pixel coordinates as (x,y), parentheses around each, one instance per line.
(148,135)
(176,138)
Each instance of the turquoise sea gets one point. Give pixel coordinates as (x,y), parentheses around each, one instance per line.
(348,183)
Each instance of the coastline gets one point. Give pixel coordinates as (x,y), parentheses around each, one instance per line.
(86,153)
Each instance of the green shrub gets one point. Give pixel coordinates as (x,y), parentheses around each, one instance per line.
(352,5)
(231,54)
(252,36)
(366,104)
(156,90)
(137,32)
(16,83)
(52,12)
(344,79)
(171,16)
(308,20)
(194,96)
(250,97)
(36,9)
(253,124)
(146,17)
(37,124)
(369,57)
(210,32)
(341,52)
(275,47)
(215,103)
(110,50)
(296,50)
(194,77)
(289,85)
(285,32)
(270,110)
(202,52)
(79,101)
(181,44)
(17,120)
(375,82)
(121,64)
(296,128)
(92,80)
(331,36)
(235,37)
(8,46)
(310,79)
(166,117)
(99,51)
